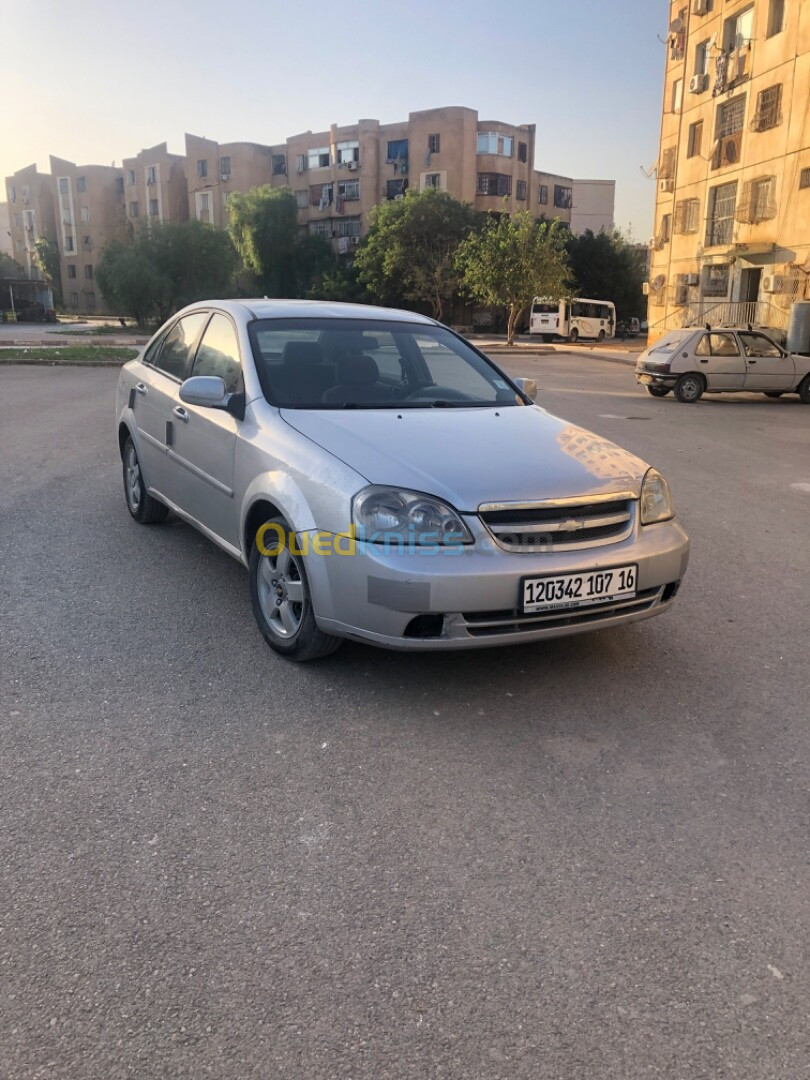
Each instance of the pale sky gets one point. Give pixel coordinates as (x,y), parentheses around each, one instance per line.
(96,81)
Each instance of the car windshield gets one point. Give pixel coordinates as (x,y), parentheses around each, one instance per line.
(671,342)
(365,364)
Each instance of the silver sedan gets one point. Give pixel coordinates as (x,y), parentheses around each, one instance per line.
(384,481)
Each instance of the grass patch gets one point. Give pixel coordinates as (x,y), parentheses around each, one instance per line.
(68,354)
(105,331)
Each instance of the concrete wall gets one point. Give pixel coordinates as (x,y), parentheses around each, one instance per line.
(593,206)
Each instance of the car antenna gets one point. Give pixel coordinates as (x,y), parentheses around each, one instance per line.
(708,327)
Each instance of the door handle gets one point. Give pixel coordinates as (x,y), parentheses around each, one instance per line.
(752,361)
(140,387)
(180,413)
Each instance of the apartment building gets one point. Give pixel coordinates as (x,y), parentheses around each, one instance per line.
(88,204)
(214,171)
(732,232)
(5,230)
(31,214)
(337,176)
(154,186)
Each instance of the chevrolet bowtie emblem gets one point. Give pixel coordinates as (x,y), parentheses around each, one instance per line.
(571,525)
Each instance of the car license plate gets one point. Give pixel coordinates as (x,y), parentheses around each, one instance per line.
(560,591)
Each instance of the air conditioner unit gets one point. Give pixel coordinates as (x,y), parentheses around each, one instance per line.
(692,279)
(352,165)
(667,185)
(700,7)
(699,83)
(772,283)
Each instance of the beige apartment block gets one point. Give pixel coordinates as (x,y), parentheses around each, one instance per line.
(31,214)
(554,197)
(88,203)
(154,186)
(214,171)
(732,219)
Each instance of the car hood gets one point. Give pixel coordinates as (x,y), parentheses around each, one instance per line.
(473,456)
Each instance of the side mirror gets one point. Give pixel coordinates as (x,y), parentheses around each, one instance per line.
(528,387)
(208,391)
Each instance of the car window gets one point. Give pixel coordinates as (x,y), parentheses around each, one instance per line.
(175,356)
(670,343)
(759,345)
(358,363)
(218,354)
(717,345)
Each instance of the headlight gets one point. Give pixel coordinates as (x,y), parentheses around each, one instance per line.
(656,499)
(383,514)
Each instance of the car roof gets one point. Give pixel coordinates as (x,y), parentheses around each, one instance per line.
(249,309)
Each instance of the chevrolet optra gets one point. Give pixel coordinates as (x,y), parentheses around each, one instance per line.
(384,481)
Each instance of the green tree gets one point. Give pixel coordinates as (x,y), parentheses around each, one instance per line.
(263,224)
(46,260)
(10,268)
(154,271)
(608,268)
(409,251)
(513,260)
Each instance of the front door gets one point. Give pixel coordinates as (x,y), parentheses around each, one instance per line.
(767,367)
(719,359)
(204,440)
(749,285)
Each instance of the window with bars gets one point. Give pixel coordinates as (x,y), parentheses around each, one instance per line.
(666,170)
(302,199)
(347,227)
(493,184)
(202,168)
(225,167)
(279,165)
(730,117)
(433,180)
(151,174)
(88,271)
(687,216)
(757,202)
(521,190)
(523,151)
(720,223)
(563,197)
(716,279)
(542,196)
(695,140)
(434,142)
(349,189)
(769,108)
(153,208)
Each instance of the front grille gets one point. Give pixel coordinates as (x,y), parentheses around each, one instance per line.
(485,623)
(562,525)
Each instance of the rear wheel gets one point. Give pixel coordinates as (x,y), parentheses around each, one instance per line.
(689,388)
(141,505)
(804,389)
(600,337)
(279,595)
(573,336)
(658,391)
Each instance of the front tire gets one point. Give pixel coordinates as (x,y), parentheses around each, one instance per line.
(281,602)
(804,390)
(689,388)
(573,336)
(600,337)
(143,508)
(658,391)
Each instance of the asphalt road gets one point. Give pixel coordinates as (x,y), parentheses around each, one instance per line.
(581,859)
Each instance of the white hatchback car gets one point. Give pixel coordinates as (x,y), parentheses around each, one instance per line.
(382,480)
(724,360)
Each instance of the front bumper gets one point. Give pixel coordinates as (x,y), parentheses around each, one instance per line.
(374,596)
(655,378)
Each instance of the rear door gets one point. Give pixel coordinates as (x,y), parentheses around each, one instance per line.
(767,367)
(718,356)
(166,364)
(204,441)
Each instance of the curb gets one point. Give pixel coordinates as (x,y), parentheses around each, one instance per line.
(16,362)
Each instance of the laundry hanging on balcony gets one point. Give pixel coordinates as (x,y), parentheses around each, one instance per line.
(721,74)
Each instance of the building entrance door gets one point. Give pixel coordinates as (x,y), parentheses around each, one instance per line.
(749,285)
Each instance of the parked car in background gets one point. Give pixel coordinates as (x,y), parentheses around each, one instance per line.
(382,480)
(694,362)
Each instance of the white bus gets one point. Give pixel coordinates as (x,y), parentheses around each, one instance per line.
(572,319)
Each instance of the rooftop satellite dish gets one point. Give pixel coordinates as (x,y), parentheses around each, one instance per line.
(676,26)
